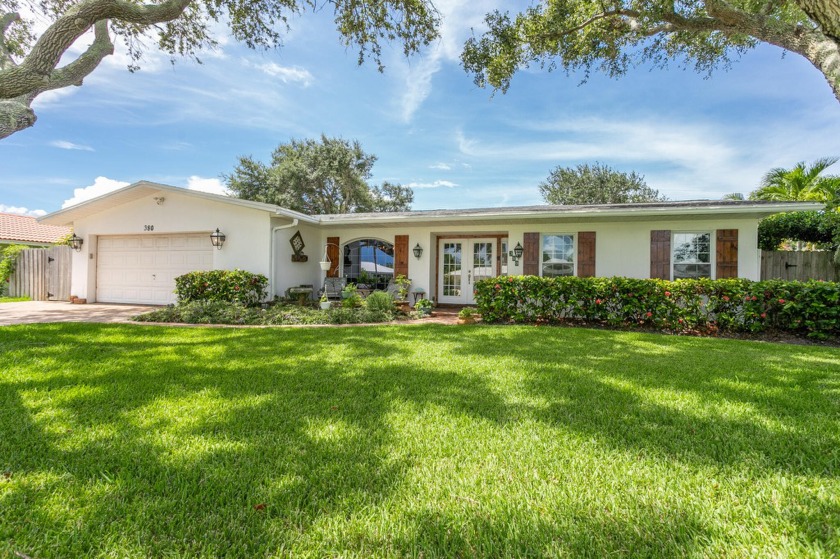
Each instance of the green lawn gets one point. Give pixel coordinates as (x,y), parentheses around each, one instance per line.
(13,299)
(432,441)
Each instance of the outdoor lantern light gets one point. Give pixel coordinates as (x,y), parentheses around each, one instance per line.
(76,242)
(217,239)
(418,251)
(516,254)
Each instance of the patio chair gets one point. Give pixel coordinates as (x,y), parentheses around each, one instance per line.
(333,288)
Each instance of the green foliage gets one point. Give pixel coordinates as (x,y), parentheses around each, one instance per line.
(423,306)
(350,297)
(326,176)
(822,228)
(467,312)
(224,286)
(8,261)
(802,183)
(596,184)
(219,312)
(811,308)
(402,283)
(379,301)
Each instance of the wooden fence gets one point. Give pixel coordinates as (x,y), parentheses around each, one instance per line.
(798,265)
(42,274)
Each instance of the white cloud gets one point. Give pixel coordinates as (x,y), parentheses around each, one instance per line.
(441,166)
(287,74)
(100,186)
(435,184)
(213,186)
(64,144)
(21,210)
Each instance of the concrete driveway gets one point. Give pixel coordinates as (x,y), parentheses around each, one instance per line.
(59,311)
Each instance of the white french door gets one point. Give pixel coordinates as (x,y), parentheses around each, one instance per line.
(462,263)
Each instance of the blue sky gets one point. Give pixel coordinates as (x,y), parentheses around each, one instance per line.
(458,146)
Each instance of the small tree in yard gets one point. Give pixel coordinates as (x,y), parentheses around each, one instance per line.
(596,184)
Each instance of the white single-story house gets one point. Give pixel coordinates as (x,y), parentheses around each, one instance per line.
(136,240)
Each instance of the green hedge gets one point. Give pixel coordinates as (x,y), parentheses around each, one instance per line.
(734,305)
(227,286)
(820,227)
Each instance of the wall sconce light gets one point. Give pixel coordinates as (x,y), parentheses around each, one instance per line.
(217,239)
(418,251)
(76,242)
(516,253)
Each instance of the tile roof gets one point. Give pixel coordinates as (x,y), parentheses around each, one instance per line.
(15,227)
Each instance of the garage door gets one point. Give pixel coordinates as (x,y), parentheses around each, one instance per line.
(143,268)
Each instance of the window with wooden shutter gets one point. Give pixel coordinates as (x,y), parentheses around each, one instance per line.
(400,255)
(660,254)
(586,254)
(531,254)
(333,254)
(726,258)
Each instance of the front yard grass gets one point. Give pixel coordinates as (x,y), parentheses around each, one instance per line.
(145,441)
(13,299)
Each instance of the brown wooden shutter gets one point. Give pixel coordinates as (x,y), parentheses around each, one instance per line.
(660,254)
(334,256)
(727,253)
(586,254)
(400,255)
(531,254)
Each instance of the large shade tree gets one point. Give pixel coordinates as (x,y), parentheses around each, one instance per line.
(615,35)
(31,61)
(596,184)
(326,176)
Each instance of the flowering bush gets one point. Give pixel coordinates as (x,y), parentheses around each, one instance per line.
(229,286)
(736,305)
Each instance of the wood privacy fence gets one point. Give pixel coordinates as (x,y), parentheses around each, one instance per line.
(798,265)
(42,274)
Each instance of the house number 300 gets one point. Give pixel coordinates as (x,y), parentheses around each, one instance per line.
(148,228)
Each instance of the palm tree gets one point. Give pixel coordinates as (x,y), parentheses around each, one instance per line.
(801,184)
(735,196)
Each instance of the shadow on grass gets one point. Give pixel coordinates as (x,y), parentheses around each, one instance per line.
(147,440)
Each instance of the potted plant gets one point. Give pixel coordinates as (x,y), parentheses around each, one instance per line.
(325,303)
(423,307)
(466,316)
(401,298)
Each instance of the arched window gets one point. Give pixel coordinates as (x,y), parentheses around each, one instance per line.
(369,262)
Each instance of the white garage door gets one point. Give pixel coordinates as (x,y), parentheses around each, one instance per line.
(143,268)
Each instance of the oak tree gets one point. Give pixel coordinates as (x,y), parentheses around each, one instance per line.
(596,184)
(326,176)
(31,61)
(613,36)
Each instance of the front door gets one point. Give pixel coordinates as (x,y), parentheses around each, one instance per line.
(462,263)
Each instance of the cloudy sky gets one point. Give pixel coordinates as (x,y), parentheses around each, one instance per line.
(457,145)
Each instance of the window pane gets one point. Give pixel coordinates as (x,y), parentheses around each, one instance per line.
(452,269)
(558,255)
(692,255)
(369,262)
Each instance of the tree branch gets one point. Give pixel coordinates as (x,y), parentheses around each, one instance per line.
(36,69)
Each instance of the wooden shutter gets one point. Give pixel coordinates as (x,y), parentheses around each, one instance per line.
(586,254)
(531,254)
(334,256)
(400,255)
(660,254)
(727,254)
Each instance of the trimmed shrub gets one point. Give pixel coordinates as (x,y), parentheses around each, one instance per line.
(380,301)
(736,305)
(225,286)
(821,228)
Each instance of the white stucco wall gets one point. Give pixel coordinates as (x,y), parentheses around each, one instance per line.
(622,247)
(291,274)
(248,233)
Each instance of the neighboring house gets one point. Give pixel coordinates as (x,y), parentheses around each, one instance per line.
(16,229)
(139,238)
